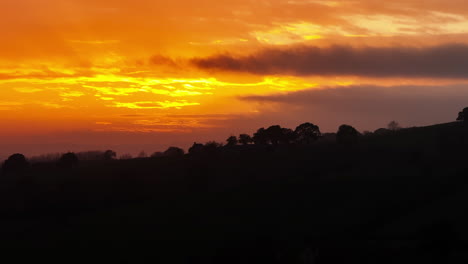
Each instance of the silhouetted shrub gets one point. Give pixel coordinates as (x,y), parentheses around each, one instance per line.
(212,147)
(231,141)
(245,139)
(347,135)
(307,133)
(196,148)
(15,163)
(260,138)
(462,116)
(287,136)
(68,160)
(393,126)
(109,155)
(274,135)
(174,152)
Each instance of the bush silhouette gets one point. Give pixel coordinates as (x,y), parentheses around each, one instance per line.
(287,136)
(196,148)
(15,163)
(212,147)
(109,155)
(347,135)
(174,152)
(68,160)
(462,116)
(260,137)
(245,139)
(307,133)
(232,141)
(273,135)
(393,126)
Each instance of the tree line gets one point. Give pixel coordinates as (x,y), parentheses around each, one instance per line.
(304,134)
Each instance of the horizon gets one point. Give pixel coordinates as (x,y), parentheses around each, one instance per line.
(145,75)
(34,151)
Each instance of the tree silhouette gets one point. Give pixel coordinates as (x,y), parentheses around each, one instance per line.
(16,162)
(174,152)
(260,137)
(393,126)
(273,135)
(211,147)
(91,155)
(109,155)
(232,141)
(307,133)
(287,136)
(196,148)
(68,160)
(462,116)
(347,135)
(245,139)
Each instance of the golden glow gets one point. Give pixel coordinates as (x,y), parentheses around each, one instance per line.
(155,105)
(386,25)
(124,66)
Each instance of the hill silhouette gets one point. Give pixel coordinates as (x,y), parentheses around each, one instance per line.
(392,196)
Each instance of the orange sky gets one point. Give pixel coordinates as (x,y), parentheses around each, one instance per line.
(80,74)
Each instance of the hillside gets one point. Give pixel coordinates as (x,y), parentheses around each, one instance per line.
(392,197)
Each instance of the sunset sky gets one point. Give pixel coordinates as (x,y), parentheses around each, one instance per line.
(145,74)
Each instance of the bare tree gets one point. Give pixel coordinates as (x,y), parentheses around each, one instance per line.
(393,126)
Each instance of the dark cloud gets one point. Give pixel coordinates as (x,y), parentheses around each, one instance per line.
(444,61)
(369,107)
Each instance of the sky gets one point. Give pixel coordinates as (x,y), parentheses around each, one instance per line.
(138,75)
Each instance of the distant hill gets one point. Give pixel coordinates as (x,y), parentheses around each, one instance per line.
(389,197)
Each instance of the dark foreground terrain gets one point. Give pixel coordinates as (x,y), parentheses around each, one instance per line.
(395,197)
